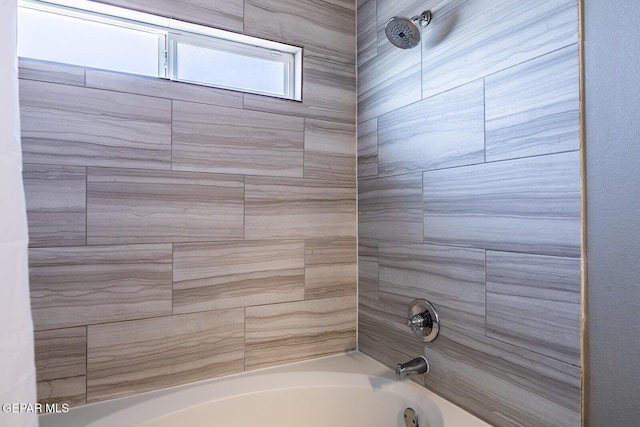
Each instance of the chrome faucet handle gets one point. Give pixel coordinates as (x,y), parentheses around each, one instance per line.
(423,320)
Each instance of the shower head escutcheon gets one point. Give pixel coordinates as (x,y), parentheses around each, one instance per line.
(404,32)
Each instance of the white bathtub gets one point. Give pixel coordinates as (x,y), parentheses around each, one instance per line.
(349,390)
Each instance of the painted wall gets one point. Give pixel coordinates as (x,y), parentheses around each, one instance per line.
(469,196)
(612,99)
(180,232)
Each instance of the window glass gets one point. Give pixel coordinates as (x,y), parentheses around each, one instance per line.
(59,38)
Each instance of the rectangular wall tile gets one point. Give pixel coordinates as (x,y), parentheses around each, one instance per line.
(533,108)
(299,208)
(225,14)
(162,88)
(328,93)
(368,268)
(325,28)
(56,204)
(389,81)
(330,267)
(482,37)
(137,206)
(368,149)
(533,302)
(133,357)
(452,279)
(209,138)
(61,365)
(329,150)
(390,208)
(367,43)
(442,131)
(212,276)
(294,331)
(53,72)
(68,125)
(85,285)
(501,383)
(528,205)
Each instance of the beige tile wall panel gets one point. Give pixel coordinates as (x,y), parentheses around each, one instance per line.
(162,88)
(533,108)
(137,206)
(533,302)
(482,37)
(224,14)
(290,332)
(212,276)
(368,148)
(328,93)
(329,150)
(368,268)
(280,208)
(68,125)
(503,384)
(88,284)
(452,279)
(133,357)
(383,335)
(53,72)
(324,27)
(445,130)
(527,205)
(387,82)
(330,267)
(56,204)
(209,138)
(61,365)
(390,208)
(366,38)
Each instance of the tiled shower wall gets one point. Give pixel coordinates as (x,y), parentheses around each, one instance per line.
(180,232)
(469,196)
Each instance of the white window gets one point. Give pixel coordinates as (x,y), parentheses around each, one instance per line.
(91,34)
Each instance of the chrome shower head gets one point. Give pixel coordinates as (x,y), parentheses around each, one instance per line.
(403,32)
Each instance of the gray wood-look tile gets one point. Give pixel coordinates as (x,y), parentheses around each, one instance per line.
(56,204)
(138,206)
(533,108)
(481,37)
(226,14)
(452,279)
(387,82)
(162,88)
(329,150)
(501,383)
(368,268)
(280,208)
(208,138)
(368,149)
(442,131)
(212,276)
(294,331)
(529,205)
(133,357)
(390,208)
(69,125)
(366,37)
(533,301)
(84,285)
(330,267)
(53,72)
(325,28)
(61,365)
(383,335)
(328,93)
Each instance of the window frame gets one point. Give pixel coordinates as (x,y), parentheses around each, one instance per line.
(171,31)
